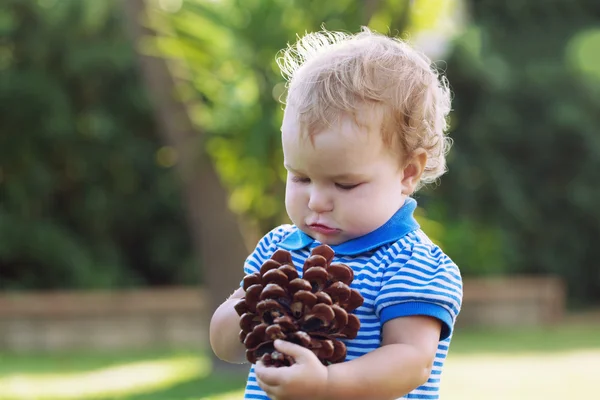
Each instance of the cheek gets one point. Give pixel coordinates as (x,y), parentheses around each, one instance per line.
(293,198)
(362,196)
(366,202)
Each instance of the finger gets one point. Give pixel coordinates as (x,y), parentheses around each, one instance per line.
(268,375)
(298,353)
(271,391)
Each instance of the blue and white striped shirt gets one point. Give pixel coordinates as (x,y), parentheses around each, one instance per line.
(398,271)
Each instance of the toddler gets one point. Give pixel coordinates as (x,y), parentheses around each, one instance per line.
(363,128)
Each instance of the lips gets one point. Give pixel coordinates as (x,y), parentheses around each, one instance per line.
(323,229)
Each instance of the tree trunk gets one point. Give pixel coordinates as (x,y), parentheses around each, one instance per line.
(369,9)
(216,235)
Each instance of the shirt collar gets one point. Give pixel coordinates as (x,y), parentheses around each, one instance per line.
(401,223)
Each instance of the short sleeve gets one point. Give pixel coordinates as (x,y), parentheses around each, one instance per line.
(265,248)
(421,281)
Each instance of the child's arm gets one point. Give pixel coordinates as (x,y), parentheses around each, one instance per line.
(402,364)
(225,329)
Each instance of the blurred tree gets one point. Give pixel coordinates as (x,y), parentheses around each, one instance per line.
(215,229)
(527,150)
(87,198)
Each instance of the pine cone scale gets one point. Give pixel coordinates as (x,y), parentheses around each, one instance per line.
(312,311)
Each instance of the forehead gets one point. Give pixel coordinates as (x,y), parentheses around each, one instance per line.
(349,144)
(368,117)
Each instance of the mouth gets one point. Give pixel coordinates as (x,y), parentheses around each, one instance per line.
(323,229)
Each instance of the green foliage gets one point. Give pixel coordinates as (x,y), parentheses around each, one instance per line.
(477,248)
(527,150)
(83,202)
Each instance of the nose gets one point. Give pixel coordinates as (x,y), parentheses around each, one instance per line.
(319,201)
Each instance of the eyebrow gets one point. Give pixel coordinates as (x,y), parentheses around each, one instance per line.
(340,177)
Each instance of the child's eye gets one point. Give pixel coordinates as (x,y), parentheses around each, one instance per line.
(300,179)
(346,187)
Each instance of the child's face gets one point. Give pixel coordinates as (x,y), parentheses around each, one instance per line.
(343,184)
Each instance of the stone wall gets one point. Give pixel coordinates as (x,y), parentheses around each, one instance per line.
(177,317)
(513,301)
(104,320)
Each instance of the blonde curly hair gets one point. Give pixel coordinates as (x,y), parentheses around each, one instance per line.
(331,74)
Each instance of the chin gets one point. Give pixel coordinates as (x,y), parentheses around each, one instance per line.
(330,240)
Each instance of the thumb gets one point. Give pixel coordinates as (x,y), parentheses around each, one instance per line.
(298,353)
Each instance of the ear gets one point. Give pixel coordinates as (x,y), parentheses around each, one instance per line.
(412,171)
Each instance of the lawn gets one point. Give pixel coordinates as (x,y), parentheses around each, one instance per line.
(548,364)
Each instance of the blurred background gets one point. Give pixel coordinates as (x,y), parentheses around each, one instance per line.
(140,162)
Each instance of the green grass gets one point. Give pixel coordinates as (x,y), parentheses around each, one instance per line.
(69,362)
(132,375)
(505,364)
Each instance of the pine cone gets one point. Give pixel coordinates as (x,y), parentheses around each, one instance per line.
(312,311)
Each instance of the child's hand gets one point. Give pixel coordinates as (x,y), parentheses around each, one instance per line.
(306,379)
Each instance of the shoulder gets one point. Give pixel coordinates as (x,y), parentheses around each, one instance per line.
(415,263)
(420,279)
(417,249)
